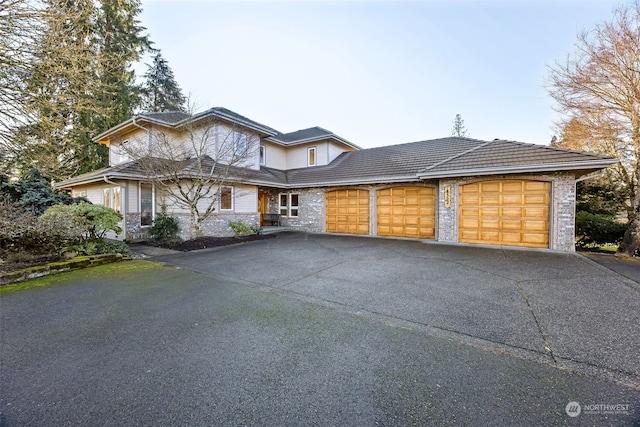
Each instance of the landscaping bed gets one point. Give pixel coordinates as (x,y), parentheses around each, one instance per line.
(208,242)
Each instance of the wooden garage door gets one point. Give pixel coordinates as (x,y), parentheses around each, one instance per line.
(348,211)
(407,212)
(505,213)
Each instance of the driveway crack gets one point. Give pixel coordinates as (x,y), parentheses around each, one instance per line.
(545,341)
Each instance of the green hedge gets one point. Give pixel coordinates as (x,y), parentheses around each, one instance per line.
(598,229)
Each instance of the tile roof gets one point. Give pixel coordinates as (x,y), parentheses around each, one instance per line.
(438,158)
(511,155)
(303,134)
(238,118)
(444,157)
(168,117)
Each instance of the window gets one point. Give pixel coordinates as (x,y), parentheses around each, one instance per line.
(284,204)
(289,204)
(82,193)
(311,156)
(146,204)
(111,198)
(263,152)
(122,152)
(239,143)
(226,198)
(293,205)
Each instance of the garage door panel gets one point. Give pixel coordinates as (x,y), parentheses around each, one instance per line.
(511,224)
(490,223)
(488,187)
(506,212)
(347,211)
(469,199)
(490,236)
(535,199)
(536,238)
(511,187)
(510,211)
(406,211)
(534,225)
(490,199)
(541,186)
(511,238)
(536,212)
(512,199)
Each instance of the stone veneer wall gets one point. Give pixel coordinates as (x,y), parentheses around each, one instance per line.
(563,197)
(134,230)
(563,226)
(311,209)
(216,225)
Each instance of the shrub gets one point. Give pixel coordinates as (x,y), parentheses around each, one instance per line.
(598,229)
(240,228)
(20,230)
(113,247)
(33,192)
(164,227)
(82,221)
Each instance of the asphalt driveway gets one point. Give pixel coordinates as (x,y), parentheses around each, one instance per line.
(326,330)
(562,308)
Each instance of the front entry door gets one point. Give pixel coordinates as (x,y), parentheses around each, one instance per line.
(262,206)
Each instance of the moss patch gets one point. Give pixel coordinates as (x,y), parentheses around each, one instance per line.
(97,271)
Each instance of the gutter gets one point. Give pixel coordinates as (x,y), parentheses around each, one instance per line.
(590,176)
(558,167)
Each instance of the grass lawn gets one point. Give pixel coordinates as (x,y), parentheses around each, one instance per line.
(116,268)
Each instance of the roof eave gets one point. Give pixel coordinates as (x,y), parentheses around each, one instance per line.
(550,167)
(363,181)
(221,115)
(313,139)
(70,183)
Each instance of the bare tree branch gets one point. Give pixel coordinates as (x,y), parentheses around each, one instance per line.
(597,90)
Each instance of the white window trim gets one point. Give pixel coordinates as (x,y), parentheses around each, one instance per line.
(123,155)
(237,138)
(232,199)
(110,203)
(289,206)
(262,158)
(315,156)
(153,202)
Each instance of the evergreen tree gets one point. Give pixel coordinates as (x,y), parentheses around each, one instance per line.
(122,43)
(59,89)
(458,127)
(161,91)
(79,83)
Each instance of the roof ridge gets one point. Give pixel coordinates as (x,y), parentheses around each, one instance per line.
(551,147)
(456,156)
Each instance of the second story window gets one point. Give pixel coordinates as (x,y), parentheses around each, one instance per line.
(121,152)
(239,143)
(311,156)
(263,155)
(226,198)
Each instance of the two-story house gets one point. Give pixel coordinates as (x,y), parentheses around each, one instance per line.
(450,189)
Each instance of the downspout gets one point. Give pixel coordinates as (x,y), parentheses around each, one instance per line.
(153,187)
(590,176)
(125,198)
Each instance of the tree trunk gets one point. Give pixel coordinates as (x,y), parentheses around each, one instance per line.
(631,240)
(196,224)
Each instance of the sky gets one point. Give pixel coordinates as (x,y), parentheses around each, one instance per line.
(375,72)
